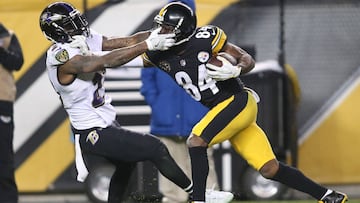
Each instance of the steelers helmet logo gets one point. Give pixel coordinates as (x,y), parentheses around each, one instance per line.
(203,56)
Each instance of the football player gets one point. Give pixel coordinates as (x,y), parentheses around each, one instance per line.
(76,65)
(233,107)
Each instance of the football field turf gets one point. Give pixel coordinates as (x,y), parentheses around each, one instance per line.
(292,201)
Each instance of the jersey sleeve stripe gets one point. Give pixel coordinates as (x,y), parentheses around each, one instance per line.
(219,40)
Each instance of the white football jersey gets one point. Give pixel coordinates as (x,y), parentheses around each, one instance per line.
(84,99)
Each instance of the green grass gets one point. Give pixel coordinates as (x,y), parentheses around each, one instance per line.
(291,201)
(140,199)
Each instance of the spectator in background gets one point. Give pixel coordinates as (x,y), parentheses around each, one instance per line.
(11,59)
(174,113)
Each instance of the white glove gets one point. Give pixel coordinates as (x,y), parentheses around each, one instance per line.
(226,71)
(79,41)
(160,42)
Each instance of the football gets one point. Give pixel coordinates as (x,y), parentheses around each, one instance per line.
(216,62)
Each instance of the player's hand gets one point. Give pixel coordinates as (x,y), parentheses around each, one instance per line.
(160,42)
(79,41)
(226,71)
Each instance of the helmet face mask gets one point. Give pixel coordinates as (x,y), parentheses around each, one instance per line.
(180,17)
(60,21)
(76,24)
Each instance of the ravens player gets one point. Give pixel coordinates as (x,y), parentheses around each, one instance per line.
(233,108)
(76,65)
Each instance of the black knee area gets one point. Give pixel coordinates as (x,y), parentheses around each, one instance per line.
(160,154)
(280,173)
(167,166)
(161,150)
(270,169)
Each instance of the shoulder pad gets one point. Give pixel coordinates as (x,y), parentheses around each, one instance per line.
(60,53)
(146,60)
(217,36)
(219,40)
(62,56)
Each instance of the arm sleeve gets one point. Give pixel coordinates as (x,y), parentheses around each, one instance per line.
(12,58)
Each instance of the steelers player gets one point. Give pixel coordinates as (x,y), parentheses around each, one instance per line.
(233,108)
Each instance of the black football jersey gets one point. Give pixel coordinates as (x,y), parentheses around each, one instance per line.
(185,63)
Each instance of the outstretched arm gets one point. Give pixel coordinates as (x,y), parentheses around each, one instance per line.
(93,63)
(88,62)
(119,42)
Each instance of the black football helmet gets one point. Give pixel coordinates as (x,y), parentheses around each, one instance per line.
(179,16)
(60,21)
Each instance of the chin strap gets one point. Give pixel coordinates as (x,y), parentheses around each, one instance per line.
(184,40)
